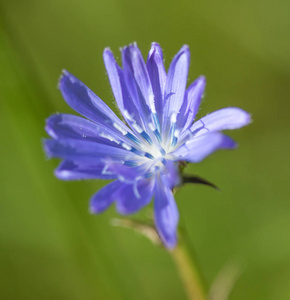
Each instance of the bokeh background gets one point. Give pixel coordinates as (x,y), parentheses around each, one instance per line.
(50,246)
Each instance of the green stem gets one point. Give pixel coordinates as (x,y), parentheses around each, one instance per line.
(188,269)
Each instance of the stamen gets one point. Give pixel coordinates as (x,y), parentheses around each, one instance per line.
(127,147)
(148,155)
(134,150)
(151,127)
(130,163)
(152,103)
(108,137)
(141,131)
(133,138)
(137,127)
(158,136)
(146,137)
(173,117)
(174,141)
(118,127)
(156,168)
(148,175)
(127,115)
(134,125)
(162,151)
(140,153)
(156,121)
(172,130)
(155,131)
(175,137)
(176,133)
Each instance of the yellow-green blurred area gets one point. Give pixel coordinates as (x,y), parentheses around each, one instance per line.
(50,246)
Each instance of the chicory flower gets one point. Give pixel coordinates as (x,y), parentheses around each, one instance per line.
(142,154)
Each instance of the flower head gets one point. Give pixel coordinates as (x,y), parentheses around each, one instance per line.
(142,154)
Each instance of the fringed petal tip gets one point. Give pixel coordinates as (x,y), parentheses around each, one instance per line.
(153,44)
(155,48)
(108,55)
(184,51)
(185,47)
(64,74)
(107,49)
(131,45)
(201,79)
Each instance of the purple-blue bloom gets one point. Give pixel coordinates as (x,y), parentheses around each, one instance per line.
(141,154)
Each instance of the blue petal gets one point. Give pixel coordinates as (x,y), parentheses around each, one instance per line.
(105,197)
(112,70)
(170,174)
(135,92)
(74,170)
(192,99)
(133,197)
(84,101)
(176,82)
(157,76)
(129,174)
(134,63)
(223,119)
(70,126)
(196,149)
(165,214)
(84,151)
(121,93)
(73,127)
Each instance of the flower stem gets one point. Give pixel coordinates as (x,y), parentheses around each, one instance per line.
(188,269)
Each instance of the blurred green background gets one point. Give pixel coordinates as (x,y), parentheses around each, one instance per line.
(51,247)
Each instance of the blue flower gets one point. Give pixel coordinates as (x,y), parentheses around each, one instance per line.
(141,155)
